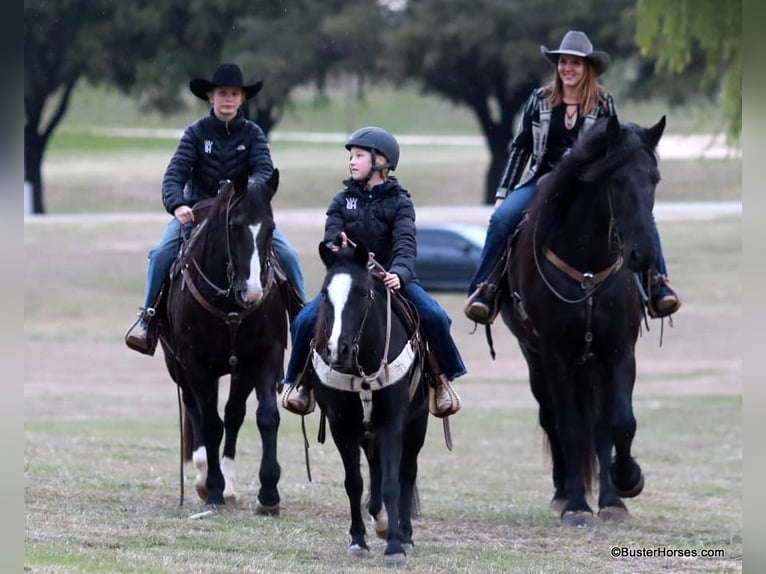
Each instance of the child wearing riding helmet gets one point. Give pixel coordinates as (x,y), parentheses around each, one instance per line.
(374,209)
(553,117)
(218,147)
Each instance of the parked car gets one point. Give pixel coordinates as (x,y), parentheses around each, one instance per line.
(448,255)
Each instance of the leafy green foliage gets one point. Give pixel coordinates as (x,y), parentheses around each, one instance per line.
(672,31)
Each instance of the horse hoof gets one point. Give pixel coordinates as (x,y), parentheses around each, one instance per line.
(558,505)
(263,510)
(614,514)
(408,547)
(202,492)
(395,560)
(630,492)
(358,551)
(380,524)
(230,499)
(581,519)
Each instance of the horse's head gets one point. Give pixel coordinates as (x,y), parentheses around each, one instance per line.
(625,166)
(246,224)
(347,294)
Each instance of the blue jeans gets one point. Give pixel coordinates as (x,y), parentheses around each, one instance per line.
(161,258)
(162,255)
(434,322)
(503,223)
(288,259)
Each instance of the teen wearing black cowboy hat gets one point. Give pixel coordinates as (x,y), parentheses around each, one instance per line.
(212,149)
(553,117)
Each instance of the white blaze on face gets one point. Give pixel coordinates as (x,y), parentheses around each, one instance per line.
(337,294)
(254,287)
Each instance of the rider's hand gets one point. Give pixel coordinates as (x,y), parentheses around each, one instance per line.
(184,214)
(391,280)
(341,240)
(498,202)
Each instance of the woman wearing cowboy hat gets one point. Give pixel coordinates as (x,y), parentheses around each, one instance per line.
(553,117)
(214,148)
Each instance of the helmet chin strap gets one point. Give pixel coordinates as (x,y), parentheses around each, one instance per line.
(375,167)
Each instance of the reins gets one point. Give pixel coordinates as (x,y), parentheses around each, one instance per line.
(233,319)
(589,282)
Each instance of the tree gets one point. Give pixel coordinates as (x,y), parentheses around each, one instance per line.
(69,40)
(485,54)
(672,31)
(150,49)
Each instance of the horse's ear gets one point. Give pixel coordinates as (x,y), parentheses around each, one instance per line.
(612,131)
(326,254)
(361,254)
(273,181)
(240,183)
(654,133)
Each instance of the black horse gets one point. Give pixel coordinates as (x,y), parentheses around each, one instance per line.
(225,315)
(369,382)
(572,298)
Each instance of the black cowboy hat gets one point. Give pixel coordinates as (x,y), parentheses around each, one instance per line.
(225,75)
(577,44)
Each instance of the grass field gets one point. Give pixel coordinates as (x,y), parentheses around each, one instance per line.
(101,470)
(81,175)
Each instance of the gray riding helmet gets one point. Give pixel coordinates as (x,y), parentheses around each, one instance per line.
(377,140)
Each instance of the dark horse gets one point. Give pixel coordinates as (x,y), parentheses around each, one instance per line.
(573,301)
(370,384)
(225,315)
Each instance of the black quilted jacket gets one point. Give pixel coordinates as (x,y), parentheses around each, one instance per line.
(382,218)
(210,151)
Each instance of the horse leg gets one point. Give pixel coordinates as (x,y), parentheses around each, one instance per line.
(626,474)
(234,416)
(267,417)
(413,439)
(391,434)
(347,442)
(212,433)
(547,420)
(575,442)
(195,442)
(378,514)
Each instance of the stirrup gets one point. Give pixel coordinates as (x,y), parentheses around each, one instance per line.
(454,398)
(149,343)
(655,313)
(288,391)
(489,293)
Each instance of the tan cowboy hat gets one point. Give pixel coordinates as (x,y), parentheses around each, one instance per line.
(576,43)
(225,75)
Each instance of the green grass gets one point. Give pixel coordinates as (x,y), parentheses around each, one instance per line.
(87,171)
(403,110)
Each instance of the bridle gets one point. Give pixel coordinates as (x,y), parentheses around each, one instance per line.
(589,282)
(387,373)
(233,319)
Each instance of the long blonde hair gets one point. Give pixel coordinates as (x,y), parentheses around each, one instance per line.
(589,91)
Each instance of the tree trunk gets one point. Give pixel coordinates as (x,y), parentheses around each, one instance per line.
(36,137)
(498,149)
(33,160)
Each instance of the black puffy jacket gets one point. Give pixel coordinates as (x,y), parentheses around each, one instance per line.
(210,151)
(382,218)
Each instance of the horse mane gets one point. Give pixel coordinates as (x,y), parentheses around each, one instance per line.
(595,154)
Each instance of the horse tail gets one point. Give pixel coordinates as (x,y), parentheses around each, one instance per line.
(588,383)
